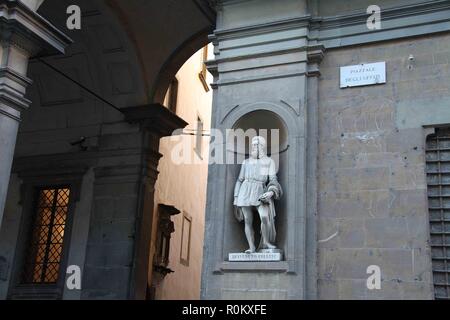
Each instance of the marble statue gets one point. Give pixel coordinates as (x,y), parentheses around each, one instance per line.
(256,188)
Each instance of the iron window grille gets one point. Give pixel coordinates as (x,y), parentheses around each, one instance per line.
(438,180)
(45,250)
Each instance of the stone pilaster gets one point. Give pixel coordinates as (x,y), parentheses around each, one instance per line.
(265,64)
(315,54)
(23,34)
(117,258)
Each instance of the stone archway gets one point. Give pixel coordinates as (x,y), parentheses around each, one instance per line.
(175,61)
(118,54)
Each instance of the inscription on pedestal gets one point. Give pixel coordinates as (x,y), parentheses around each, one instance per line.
(257,256)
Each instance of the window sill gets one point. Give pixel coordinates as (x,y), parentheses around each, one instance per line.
(38,291)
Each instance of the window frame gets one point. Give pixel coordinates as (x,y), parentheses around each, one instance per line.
(31,183)
(203,73)
(32,229)
(183,261)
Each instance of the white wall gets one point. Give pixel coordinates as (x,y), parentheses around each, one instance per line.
(184,186)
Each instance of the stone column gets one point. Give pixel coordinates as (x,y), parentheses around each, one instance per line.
(24,34)
(265,63)
(118,249)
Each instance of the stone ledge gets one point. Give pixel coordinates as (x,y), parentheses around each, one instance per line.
(281,266)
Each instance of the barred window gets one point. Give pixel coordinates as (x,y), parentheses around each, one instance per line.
(438,175)
(43,259)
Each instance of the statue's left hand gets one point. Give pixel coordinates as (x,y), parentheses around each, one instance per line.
(267,196)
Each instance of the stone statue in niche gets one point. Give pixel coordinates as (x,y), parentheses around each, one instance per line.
(257,188)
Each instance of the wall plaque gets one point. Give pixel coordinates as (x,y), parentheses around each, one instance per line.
(363,74)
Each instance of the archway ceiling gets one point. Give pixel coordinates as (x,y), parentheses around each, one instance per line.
(156,30)
(159,28)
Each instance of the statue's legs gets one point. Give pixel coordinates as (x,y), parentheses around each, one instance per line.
(263,211)
(249,233)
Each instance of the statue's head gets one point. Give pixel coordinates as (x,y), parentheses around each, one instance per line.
(258,147)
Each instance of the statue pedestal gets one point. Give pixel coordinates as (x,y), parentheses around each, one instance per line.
(262,255)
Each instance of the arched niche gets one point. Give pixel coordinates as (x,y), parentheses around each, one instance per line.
(274,129)
(257,123)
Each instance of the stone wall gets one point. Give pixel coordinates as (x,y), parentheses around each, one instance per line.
(372,182)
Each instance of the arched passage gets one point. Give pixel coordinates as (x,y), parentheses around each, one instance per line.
(92,127)
(175,62)
(180,191)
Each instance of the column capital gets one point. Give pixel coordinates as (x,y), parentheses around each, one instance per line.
(23,34)
(315,55)
(25,29)
(12,87)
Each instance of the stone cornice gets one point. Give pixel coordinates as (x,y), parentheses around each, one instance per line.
(288,24)
(258,55)
(87,158)
(12,88)
(357,18)
(315,53)
(15,101)
(350,29)
(37,171)
(43,174)
(26,29)
(155,118)
(398,22)
(212,66)
(9,73)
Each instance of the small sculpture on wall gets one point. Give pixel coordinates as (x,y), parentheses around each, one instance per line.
(257,188)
